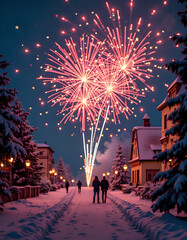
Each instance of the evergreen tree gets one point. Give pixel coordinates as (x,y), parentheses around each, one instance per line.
(3,188)
(21,175)
(173,191)
(119,177)
(61,171)
(69,175)
(10,145)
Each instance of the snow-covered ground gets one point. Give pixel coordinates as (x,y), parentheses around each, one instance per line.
(85,220)
(27,218)
(58,215)
(157,225)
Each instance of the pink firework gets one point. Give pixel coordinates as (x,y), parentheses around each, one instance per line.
(77,74)
(116,91)
(131,53)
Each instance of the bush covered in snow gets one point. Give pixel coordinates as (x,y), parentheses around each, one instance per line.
(45,185)
(53,187)
(128,189)
(146,191)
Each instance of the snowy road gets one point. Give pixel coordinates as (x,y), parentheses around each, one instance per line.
(85,220)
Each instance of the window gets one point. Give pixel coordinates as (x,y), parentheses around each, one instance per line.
(150,173)
(138,174)
(165,121)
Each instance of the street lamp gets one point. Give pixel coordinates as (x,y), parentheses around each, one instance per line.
(116,172)
(10,172)
(104,174)
(125,167)
(170,160)
(51,172)
(64,180)
(27,164)
(2,165)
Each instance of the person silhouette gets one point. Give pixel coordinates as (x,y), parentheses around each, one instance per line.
(67,186)
(104,188)
(79,184)
(96,183)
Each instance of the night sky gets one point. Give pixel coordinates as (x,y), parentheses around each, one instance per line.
(24,23)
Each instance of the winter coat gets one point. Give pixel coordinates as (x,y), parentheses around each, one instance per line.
(104,184)
(96,185)
(79,184)
(67,184)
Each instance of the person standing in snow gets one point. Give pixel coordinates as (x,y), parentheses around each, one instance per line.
(79,184)
(67,186)
(104,188)
(96,183)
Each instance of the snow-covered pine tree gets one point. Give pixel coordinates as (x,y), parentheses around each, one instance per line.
(21,175)
(61,171)
(3,188)
(10,146)
(69,175)
(118,178)
(173,191)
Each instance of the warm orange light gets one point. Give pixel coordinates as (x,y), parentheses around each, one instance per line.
(116,172)
(55,173)
(104,174)
(64,180)
(2,165)
(27,163)
(107,173)
(11,160)
(72,180)
(125,167)
(61,177)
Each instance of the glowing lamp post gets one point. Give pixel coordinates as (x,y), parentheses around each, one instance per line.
(125,167)
(72,181)
(27,164)
(170,160)
(2,165)
(10,172)
(55,174)
(64,180)
(51,172)
(116,172)
(104,174)
(108,174)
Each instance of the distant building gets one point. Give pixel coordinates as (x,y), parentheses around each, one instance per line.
(45,156)
(167,142)
(145,145)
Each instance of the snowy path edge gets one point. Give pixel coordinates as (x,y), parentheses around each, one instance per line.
(155,228)
(37,226)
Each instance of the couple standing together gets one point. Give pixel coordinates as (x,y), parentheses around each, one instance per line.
(104,187)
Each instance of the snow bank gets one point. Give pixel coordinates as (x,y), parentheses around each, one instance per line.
(156,228)
(37,226)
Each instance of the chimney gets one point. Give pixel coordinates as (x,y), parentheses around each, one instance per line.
(146,121)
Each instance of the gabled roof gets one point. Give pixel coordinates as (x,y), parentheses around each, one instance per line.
(44,145)
(176,81)
(148,139)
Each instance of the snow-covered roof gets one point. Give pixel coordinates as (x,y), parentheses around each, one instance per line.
(177,80)
(43,145)
(148,141)
(146,116)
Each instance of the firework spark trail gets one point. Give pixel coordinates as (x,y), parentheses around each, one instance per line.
(98,78)
(77,75)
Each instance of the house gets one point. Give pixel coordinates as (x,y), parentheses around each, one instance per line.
(145,145)
(45,156)
(167,142)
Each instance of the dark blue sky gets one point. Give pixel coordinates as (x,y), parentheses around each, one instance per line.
(36,20)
